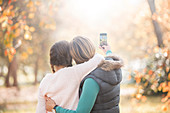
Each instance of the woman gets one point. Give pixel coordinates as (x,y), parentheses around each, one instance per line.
(100,89)
(62,85)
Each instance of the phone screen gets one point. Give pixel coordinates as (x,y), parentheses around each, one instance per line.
(103,39)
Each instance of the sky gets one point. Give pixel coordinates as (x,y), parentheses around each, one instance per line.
(91,17)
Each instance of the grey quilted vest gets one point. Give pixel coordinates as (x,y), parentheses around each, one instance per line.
(108,76)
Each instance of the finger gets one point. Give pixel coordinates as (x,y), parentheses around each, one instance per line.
(104,46)
(46,97)
(100,47)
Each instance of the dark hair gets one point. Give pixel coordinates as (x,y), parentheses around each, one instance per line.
(60,55)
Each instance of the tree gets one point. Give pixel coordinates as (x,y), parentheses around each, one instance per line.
(157,28)
(155,77)
(21,31)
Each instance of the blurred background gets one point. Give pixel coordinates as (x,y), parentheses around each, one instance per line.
(138,31)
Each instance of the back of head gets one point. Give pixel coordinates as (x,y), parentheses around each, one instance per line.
(60,55)
(81,49)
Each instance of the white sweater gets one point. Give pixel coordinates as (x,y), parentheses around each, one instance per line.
(63,85)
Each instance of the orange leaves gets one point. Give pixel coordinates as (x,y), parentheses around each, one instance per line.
(11,7)
(166,104)
(156,49)
(150,72)
(138,77)
(30,4)
(24,55)
(9,2)
(32,29)
(138,96)
(12,50)
(10,21)
(167,69)
(16,25)
(159,88)
(129,77)
(50,26)
(6,52)
(163,84)
(164,108)
(31,15)
(17,32)
(41,24)
(155,77)
(37,3)
(1,2)
(29,50)
(10,57)
(164,99)
(3,18)
(27,36)
(33,9)
(166,89)
(23,13)
(141,97)
(168,94)
(7,12)
(26,27)
(10,53)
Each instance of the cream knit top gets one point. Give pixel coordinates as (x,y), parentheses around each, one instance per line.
(63,85)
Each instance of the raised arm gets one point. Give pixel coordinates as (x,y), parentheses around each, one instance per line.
(81,70)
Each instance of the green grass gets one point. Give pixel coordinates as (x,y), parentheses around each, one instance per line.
(152,105)
(127,103)
(27,107)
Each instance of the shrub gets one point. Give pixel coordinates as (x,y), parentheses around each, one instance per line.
(155,77)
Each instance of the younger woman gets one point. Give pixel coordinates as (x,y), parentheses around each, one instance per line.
(62,85)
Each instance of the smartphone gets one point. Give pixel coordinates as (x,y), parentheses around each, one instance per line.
(103,39)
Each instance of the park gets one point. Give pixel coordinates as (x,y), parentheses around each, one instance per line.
(138,31)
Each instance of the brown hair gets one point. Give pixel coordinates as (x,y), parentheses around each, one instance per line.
(60,55)
(81,49)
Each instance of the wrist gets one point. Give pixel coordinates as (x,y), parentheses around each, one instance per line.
(55,106)
(108,52)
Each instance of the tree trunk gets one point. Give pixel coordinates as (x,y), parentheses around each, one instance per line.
(156,26)
(7,84)
(12,71)
(36,70)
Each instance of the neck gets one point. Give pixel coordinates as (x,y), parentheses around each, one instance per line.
(59,67)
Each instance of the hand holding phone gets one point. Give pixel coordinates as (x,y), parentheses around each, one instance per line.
(105,48)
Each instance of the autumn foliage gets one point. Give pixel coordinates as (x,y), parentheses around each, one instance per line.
(18,24)
(23,35)
(154,79)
